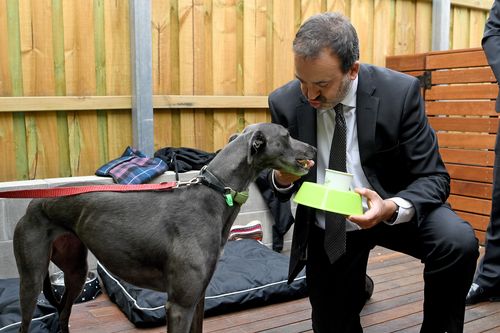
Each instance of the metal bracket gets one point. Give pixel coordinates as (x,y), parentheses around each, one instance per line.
(425,80)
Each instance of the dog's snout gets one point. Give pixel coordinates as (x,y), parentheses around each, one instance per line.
(312,152)
(307,150)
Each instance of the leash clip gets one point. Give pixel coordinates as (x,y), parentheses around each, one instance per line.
(192,181)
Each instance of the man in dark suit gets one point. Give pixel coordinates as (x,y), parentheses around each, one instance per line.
(486,284)
(393,154)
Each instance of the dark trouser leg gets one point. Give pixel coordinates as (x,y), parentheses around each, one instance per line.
(336,292)
(447,246)
(488,273)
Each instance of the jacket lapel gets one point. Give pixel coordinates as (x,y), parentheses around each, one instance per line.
(366,114)
(306,125)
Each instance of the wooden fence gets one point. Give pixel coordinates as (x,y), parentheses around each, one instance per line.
(460,92)
(72,57)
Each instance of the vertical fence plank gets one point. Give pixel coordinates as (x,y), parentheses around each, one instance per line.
(38,64)
(5,77)
(81,80)
(60,87)
(309,8)
(203,130)
(240,113)
(224,67)
(283,29)
(15,66)
(423,27)
(362,19)
(28,65)
(100,76)
(164,41)
(476,29)
(383,30)
(405,27)
(460,27)
(269,46)
(117,71)
(342,6)
(254,43)
(186,56)
(7,141)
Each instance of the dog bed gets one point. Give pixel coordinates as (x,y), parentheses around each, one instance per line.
(248,274)
(45,318)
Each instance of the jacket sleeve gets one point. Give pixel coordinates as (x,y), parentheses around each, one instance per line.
(491,39)
(428,180)
(280,107)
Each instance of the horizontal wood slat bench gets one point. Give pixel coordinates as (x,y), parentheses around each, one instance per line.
(460,89)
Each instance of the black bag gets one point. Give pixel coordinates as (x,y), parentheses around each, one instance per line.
(184,159)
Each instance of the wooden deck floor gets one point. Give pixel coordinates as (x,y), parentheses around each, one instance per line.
(396,306)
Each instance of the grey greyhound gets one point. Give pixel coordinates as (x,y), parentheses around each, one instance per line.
(168,241)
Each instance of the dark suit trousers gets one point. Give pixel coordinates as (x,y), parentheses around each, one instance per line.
(445,244)
(488,273)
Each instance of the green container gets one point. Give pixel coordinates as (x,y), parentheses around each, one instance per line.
(325,198)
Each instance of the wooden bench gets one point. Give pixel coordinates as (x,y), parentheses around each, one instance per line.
(460,89)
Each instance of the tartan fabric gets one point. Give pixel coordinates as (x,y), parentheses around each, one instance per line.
(335,236)
(133,167)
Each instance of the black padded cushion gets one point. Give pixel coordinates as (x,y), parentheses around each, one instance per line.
(45,318)
(248,274)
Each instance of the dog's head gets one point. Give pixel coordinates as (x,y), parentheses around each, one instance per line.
(271,146)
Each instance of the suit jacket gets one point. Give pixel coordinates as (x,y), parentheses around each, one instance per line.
(491,43)
(398,148)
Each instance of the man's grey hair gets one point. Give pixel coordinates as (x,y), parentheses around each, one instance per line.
(332,31)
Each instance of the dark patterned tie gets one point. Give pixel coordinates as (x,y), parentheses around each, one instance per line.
(335,235)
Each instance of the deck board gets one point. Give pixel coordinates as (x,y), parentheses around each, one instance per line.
(396,306)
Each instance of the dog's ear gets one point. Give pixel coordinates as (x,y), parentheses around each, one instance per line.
(232,137)
(256,144)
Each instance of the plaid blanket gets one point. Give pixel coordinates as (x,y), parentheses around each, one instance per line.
(133,167)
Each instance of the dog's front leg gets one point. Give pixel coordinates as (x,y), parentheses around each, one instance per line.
(179,317)
(199,312)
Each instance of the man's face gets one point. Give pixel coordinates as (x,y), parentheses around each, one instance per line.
(322,81)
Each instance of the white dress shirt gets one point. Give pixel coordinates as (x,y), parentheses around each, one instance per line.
(325,129)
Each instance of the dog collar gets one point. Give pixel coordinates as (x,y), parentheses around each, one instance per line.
(231,196)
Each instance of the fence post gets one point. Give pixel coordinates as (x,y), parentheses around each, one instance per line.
(141,66)
(441,25)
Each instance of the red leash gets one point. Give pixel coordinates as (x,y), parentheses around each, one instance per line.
(73,190)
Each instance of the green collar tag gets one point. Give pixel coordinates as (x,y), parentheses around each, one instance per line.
(229,199)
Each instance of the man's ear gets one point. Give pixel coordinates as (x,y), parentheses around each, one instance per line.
(256,144)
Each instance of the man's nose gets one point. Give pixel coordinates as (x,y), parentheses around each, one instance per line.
(310,92)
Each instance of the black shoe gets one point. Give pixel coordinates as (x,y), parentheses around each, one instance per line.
(477,294)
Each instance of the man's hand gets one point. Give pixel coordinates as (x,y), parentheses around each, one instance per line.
(285,179)
(378,209)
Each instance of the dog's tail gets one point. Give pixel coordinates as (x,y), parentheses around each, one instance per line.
(49,293)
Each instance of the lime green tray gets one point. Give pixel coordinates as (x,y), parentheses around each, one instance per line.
(325,198)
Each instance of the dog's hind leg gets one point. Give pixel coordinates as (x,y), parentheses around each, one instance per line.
(32,253)
(70,255)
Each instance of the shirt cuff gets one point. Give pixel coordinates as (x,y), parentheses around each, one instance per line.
(279,188)
(406,211)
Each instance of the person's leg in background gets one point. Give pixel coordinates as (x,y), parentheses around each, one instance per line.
(486,284)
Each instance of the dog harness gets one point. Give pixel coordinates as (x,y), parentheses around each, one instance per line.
(205,177)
